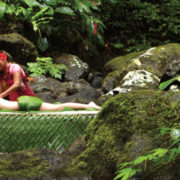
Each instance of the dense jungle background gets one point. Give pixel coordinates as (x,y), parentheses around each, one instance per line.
(95,31)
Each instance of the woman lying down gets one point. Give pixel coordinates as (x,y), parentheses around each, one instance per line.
(29,103)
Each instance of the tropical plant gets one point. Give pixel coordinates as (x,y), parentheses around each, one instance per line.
(160,157)
(46,66)
(64,18)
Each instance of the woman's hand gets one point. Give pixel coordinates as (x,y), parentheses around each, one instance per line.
(16,84)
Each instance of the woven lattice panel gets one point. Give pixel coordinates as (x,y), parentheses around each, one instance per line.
(24,131)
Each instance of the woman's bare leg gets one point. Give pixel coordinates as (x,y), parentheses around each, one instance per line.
(59,107)
(11,105)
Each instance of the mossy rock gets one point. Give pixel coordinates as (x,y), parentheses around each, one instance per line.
(120,63)
(23,164)
(124,129)
(111,80)
(20,48)
(156,60)
(117,68)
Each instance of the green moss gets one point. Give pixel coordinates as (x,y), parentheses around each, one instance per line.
(120,63)
(124,129)
(112,80)
(156,59)
(23,164)
(153,60)
(71,152)
(17,38)
(110,75)
(162,52)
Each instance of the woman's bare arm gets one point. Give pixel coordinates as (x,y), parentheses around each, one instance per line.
(1,89)
(14,86)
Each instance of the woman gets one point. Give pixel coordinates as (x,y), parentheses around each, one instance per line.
(13,80)
(27,103)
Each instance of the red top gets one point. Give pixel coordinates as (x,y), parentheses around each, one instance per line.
(24,88)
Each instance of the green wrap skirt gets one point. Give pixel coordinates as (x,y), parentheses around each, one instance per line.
(29,103)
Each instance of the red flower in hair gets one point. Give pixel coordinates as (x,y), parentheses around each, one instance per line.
(3,56)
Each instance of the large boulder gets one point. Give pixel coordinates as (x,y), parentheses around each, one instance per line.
(124,129)
(121,63)
(162,61)
(140,78)
(52,90)
(21,49)
(137,80)
(80,91)
(40,164)
(48,89)
(111,81)
(76,68)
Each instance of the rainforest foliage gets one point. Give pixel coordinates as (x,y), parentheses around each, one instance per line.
(60,17)
(47,67)
(134,25)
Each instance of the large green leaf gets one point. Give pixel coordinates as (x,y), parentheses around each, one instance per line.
(10,9)
(100,39)
(65,10)
(82,6)
(50,2)
(43,43)
(50,11)
(2,9)
(40,13)
(31,3)
(175,133)
(165,84)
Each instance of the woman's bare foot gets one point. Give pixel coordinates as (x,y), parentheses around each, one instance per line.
(93,105)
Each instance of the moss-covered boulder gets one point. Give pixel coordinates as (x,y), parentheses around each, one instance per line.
(121,63)
(22,164)
(111,80)
(140,79)
(157,60)
(124,129)
(41,163)
(67,157)
(117,68)
(21,49)
(162,61)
